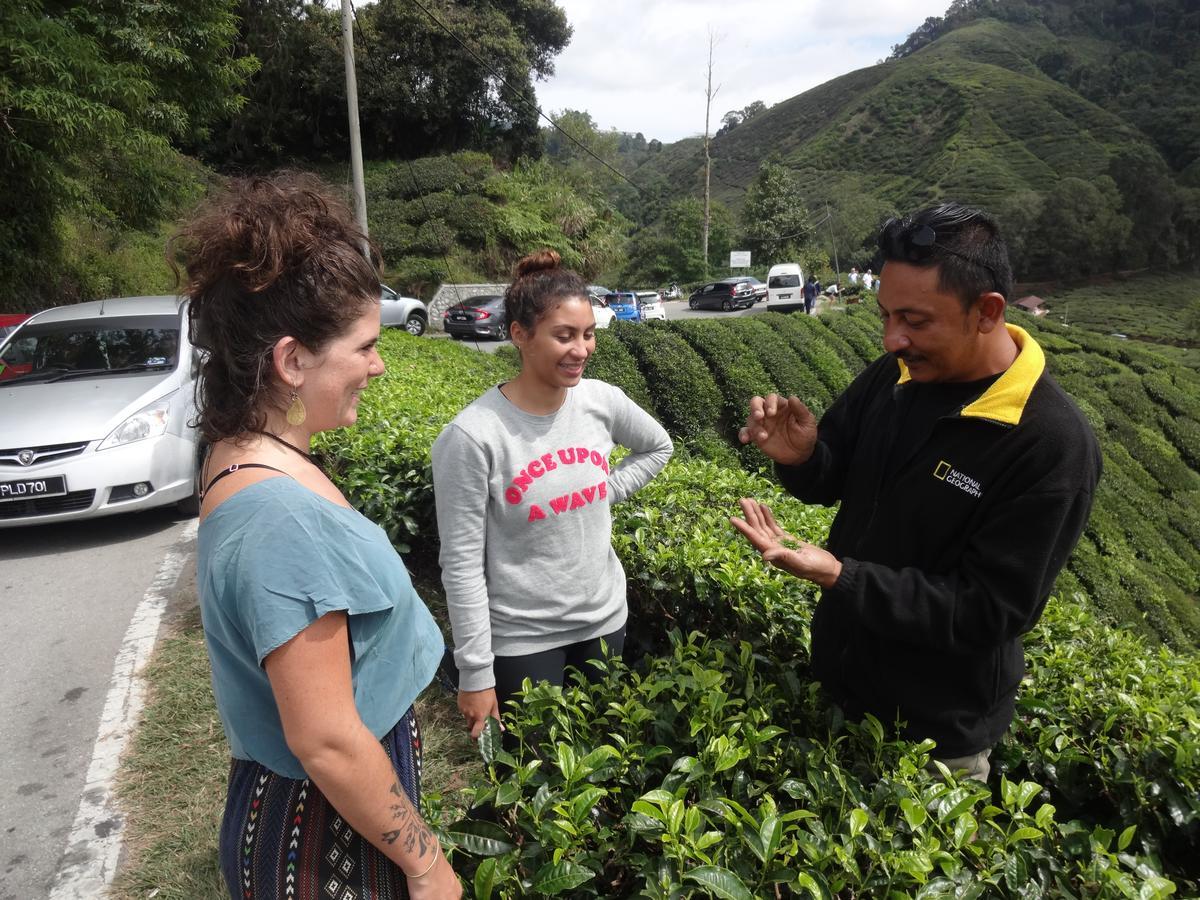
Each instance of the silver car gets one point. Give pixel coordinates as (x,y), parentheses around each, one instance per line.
(96,402)
(396,311)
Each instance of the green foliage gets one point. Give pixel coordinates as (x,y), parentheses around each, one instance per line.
(685,393)
(833,366)
(715,764)
(738,372)
(775,222)
(383,465)
(787,370)
(420,92)
(93,95)
(613,363)
(460,218)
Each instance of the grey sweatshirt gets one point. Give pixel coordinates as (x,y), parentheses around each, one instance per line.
(523,514)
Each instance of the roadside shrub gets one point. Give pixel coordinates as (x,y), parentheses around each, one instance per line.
(705,776)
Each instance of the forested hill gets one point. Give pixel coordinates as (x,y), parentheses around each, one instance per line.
(1060,121)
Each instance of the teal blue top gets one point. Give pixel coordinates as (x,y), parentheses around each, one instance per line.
(271,560)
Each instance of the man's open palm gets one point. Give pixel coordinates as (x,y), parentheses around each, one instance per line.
(783,428)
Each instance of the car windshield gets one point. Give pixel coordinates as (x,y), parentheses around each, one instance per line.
(784,281)
(100,346)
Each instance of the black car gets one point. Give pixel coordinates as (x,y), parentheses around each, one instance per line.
(481,316)
(732,293)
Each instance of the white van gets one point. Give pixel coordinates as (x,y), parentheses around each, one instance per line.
(784,283)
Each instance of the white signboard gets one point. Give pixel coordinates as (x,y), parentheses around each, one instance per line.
(739,259)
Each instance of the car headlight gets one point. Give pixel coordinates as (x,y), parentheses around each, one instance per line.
(149,421)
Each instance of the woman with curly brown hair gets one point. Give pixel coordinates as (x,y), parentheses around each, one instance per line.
(318,643)
(523,490)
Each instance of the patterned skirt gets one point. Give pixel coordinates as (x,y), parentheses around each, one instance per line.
(281,839)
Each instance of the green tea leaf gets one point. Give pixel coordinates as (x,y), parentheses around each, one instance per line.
(720,882)
(480,838)
(554,878)
(485,878)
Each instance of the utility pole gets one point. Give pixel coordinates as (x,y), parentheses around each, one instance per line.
(356,162)
(833,244)
(709,93)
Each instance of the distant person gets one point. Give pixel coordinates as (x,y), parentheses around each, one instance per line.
(965,476)
(317,641)
(867,279)
(809,292)
(523,493)
(854,276)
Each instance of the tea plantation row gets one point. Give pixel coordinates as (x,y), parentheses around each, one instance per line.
(712,766)
(1140,558)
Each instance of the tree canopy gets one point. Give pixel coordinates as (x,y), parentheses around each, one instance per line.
(433,78)
(92,95)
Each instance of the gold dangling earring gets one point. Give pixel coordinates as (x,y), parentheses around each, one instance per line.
(296,413)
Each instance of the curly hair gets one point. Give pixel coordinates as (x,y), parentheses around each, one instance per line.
(540,284)
(266,258)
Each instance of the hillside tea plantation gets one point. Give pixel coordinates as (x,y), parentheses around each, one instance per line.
(708,764)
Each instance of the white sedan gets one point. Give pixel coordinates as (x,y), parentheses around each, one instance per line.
(604,315)
(96,401)
(650,306)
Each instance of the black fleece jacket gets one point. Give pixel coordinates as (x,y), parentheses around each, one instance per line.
(948,560)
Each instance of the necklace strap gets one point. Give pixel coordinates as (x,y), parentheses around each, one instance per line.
(312,459)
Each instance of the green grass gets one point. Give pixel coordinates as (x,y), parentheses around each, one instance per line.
(172,783)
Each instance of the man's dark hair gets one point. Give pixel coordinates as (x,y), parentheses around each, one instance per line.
(963,242)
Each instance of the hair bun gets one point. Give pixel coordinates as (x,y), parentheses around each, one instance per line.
(539,261)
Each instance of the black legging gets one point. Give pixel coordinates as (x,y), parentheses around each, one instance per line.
(550,665)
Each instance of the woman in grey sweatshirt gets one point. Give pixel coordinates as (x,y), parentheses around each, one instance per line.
(523,489)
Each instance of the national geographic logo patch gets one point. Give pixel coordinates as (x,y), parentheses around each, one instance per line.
(943,471)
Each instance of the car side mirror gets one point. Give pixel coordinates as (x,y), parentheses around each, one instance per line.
(197,362)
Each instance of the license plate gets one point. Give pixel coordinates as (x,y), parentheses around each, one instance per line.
(28,488)
(458,317)
(785,297)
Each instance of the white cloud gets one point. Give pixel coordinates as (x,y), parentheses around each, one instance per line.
(639,65)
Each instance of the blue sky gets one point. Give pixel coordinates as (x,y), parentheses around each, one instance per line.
(639,65)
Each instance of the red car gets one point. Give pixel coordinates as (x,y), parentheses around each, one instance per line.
(8,324)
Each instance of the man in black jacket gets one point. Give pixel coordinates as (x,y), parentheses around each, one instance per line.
(965,476)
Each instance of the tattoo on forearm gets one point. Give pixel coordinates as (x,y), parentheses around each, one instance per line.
(412,833)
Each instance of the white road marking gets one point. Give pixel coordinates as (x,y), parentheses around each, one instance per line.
(94,846)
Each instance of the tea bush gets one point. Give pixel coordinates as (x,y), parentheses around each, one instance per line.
(788,372)
(801,334)
(709,763)
(685,393)
(613,363)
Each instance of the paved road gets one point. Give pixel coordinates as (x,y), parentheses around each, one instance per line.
(67,595)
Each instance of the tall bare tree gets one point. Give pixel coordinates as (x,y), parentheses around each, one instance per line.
(709,93)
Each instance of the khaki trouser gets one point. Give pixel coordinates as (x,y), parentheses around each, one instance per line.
(974,766)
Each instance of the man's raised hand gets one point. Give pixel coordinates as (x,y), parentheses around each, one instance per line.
(782,427)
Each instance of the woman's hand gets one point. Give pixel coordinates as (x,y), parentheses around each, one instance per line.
(477,707)
(439,883)
(784,551)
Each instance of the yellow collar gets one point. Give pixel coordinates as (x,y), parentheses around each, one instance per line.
(1005,400)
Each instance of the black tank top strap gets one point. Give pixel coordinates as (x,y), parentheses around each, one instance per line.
(233,468)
